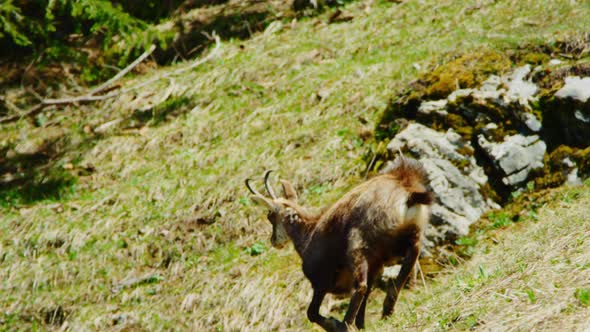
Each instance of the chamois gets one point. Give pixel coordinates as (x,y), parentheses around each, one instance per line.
(344,248)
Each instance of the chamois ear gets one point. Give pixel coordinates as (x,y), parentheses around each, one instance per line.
(262,201)
(422,197)
(289,191)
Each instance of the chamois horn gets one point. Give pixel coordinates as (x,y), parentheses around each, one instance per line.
(268,187)
(252,190)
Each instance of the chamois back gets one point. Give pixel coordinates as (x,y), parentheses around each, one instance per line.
(383,201)
(345,247)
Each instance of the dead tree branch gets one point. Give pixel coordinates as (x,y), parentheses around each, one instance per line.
(89,97)
(122,73)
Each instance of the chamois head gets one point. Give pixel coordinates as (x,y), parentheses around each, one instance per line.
(280,209)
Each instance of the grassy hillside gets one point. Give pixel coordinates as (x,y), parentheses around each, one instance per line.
(533,275)
(149,226)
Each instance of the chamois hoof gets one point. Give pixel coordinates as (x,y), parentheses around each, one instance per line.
(338,326)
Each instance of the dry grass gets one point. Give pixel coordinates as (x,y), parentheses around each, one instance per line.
(293,101)
(533,279)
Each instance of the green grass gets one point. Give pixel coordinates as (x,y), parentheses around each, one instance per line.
(293,101)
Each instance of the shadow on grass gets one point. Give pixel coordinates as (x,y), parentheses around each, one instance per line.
(40,175)
(37,187)
(235,21)
(162,113)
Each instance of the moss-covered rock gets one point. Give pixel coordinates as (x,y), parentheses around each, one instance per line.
(466,71)
(467,95)
(462,71)
(566,114)
(561,165)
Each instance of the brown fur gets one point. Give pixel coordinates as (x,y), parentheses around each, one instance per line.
(344,248)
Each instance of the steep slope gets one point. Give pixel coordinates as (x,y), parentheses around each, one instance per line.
(534,275)
(150,227)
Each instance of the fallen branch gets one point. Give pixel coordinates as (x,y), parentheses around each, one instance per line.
(105,87)
(122,72)
(32,111)
(89,97)
(193,65)
(50,102)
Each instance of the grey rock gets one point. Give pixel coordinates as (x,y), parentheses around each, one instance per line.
(438,106)
(515,88)
(491,84)
(460,93)
(440,216)
(423,140)
(518,88)
(580,116)
(390,273)
(576,88)
(531,121)
(29,147)
(573,179)
(459,201)
(516,156)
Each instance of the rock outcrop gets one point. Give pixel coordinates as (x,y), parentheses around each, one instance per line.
(567,115)
(455,178)
(515,157)
(481,143)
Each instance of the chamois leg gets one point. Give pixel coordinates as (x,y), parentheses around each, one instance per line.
(360,274)
(313,314)
(393,292)
(360,316)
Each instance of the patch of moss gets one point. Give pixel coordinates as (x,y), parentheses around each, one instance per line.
(535,58)
(582,159)
(461,163)
(465,71)
(550,80)
(461,126)
(466,151)
(555,171)
(404,106)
